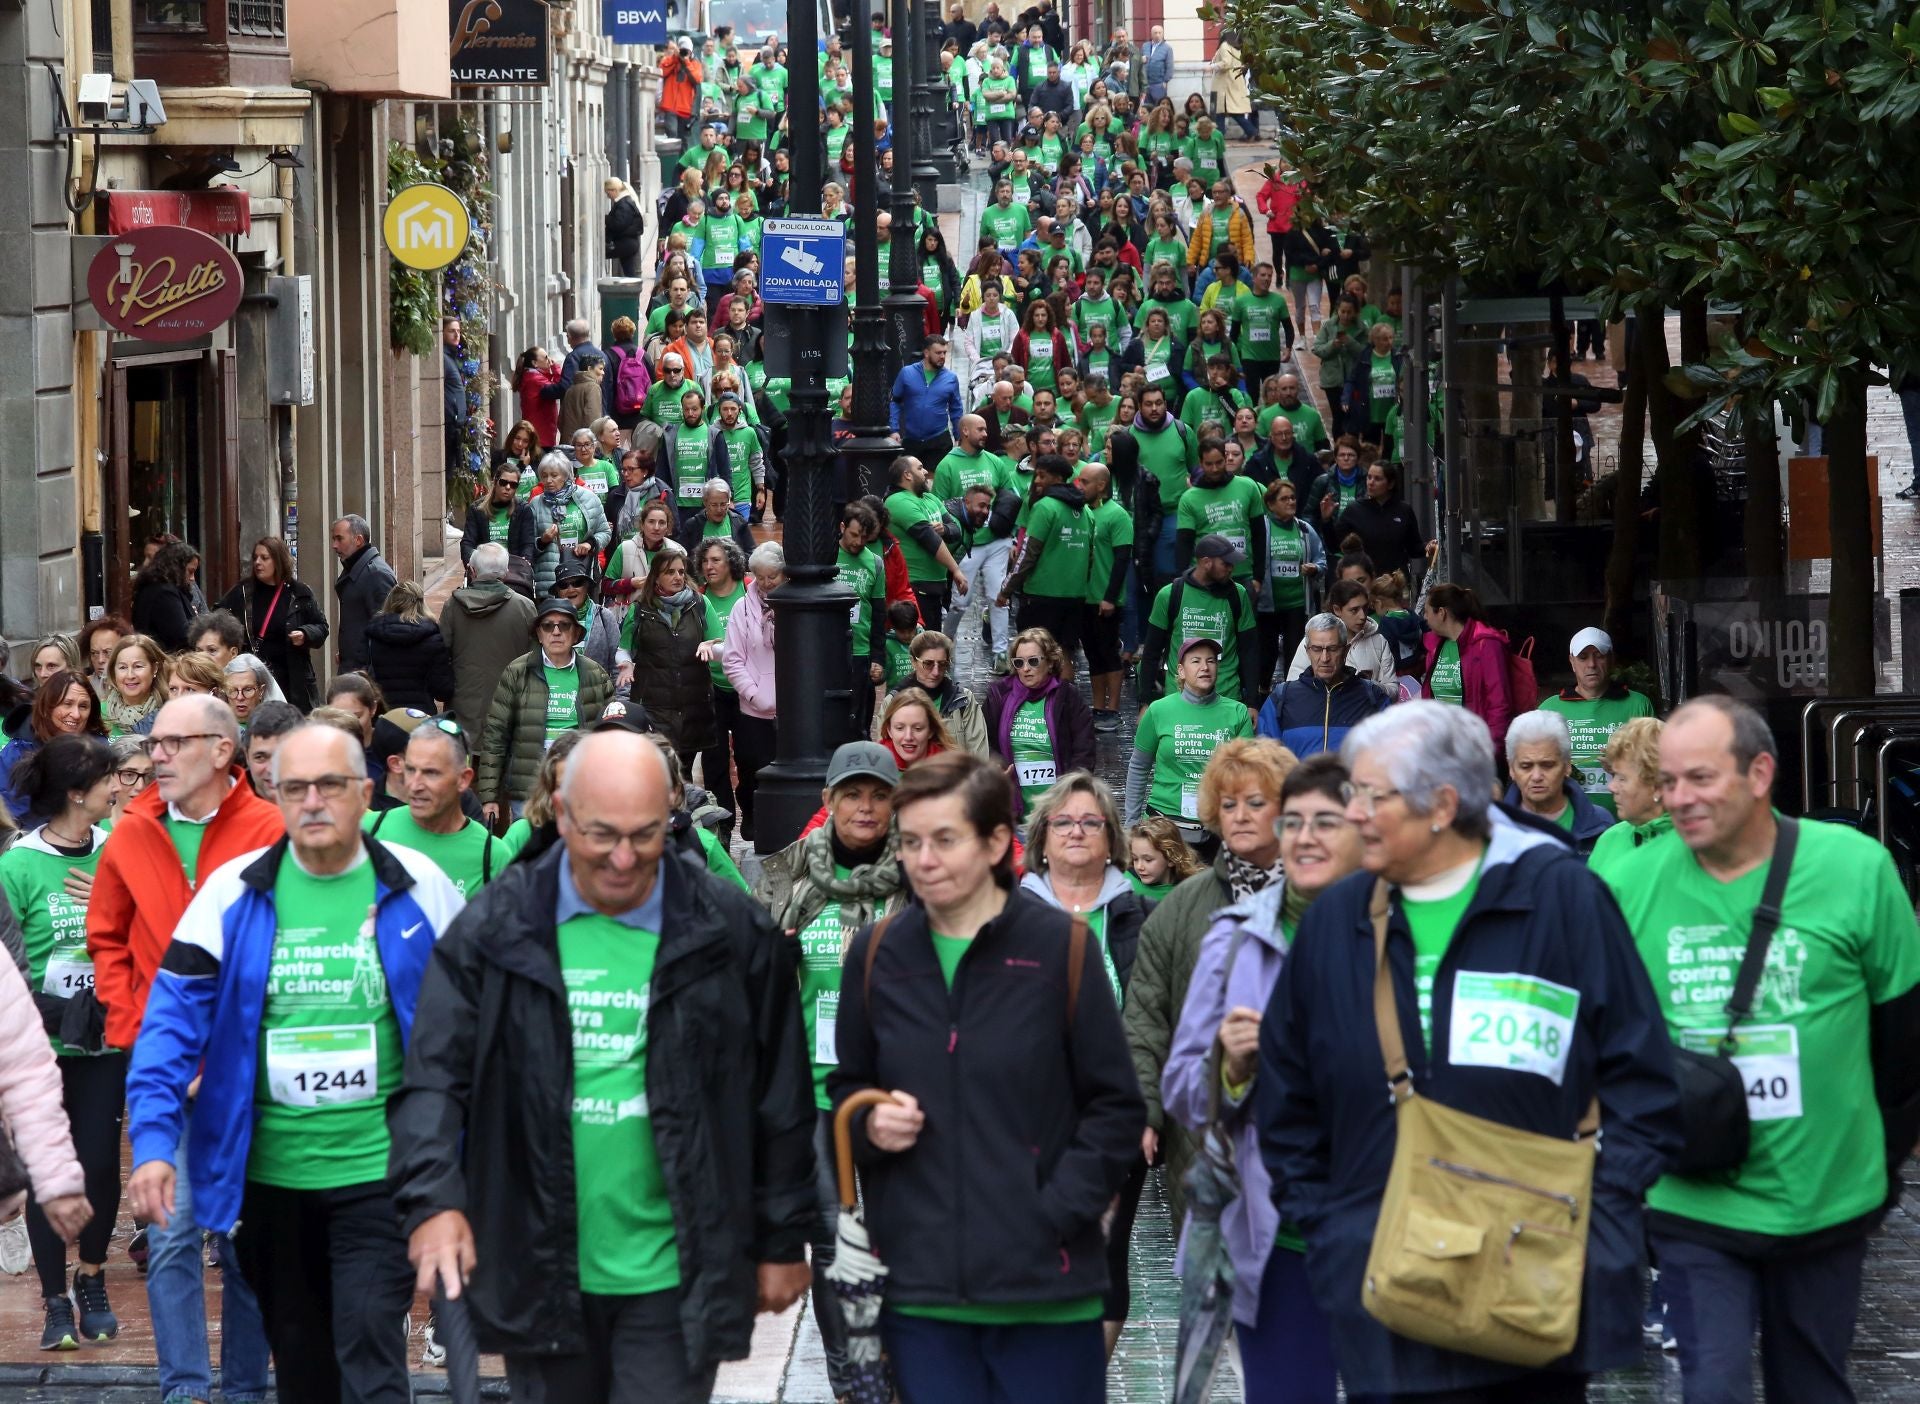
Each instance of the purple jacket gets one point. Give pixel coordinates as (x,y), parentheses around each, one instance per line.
(1247,1224)
(747,654)
(1069,726)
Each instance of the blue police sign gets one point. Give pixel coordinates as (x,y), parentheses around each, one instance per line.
(635,21)
(801,261)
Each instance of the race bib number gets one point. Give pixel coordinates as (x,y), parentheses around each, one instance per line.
(1156,370)
(690,492)
(1259,333)
(1768,1057)
(1189,801)
(1512,1021)
(826,1010)
(323,1066)
(1286,570)
(1033,774)
(68,973)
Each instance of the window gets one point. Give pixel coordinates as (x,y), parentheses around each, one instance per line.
(261,18)
(172,16)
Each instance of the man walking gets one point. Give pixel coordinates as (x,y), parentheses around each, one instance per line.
(1156,65)
(435,777)
(927,404)
(365,581)
(486,626)
(1595,707)
(605,1137)
(917,519)
(289,992)
(198,814)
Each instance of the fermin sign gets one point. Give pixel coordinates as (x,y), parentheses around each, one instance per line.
(501,44)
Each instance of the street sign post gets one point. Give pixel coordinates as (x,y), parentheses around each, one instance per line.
(802,262)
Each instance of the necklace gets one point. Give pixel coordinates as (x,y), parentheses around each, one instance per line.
(1068,894)
(65,842)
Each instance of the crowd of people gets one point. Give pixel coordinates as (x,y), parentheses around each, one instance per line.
(1440,1004)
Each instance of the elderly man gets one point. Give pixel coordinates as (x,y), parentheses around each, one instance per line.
(486,625)
(580,348)
(1156,65)
(1540,760)
(1284,456)
(364,583)
(1308,428)
(1315,711)
(1829,1059)
(597,1186)
(435,775)
(288,994)
(1000,413)
(1595,707)
(198,814)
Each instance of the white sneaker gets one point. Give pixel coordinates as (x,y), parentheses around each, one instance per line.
(433,1355)
(16,1253)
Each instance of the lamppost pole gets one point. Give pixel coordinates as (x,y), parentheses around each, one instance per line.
(873,446)
(812,665)
(933,114)
(906,313)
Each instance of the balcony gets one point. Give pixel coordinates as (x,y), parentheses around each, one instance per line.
(212,43)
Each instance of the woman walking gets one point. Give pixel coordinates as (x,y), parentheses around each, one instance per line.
(1466,663)
(747,657)
(1042,727)
(407,654)
(284,622)
(664,635)
(163,596)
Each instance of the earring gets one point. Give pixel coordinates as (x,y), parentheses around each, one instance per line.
(1433,828)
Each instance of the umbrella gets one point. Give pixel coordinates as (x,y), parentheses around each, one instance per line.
(1206,1282)
(453,1329)
(857,1277)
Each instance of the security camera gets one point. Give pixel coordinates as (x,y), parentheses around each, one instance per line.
(138,108)
(143,107)
(96,98)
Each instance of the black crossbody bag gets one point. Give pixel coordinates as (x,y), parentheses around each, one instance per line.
(1713,1095)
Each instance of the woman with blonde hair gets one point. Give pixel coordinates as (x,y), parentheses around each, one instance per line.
(1038,722)
(56,653)
(912,728)
(1632,759)
(1158,859)
(626,225)
(136,686)
(407,654)
(191,674)
(534,832)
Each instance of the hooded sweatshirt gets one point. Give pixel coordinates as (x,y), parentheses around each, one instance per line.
(1056,550)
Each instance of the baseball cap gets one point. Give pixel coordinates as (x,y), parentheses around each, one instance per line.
(619,715)
(571,568)
(1216,545)
(686,44)
(1190,644)
(1590,638)
(857,758)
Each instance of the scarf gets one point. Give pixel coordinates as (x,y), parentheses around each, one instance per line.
(1294,902)
(673,606)
(862,894)
(1244,879)
(1017,697)
(125,717)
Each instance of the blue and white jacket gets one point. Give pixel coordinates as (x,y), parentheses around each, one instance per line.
(203,1014)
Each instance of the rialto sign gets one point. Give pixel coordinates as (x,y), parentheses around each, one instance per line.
(164,283)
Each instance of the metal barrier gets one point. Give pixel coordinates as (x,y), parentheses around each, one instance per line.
(1860,765)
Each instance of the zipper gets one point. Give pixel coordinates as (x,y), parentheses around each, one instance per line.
(1467,1172)
(953,1078)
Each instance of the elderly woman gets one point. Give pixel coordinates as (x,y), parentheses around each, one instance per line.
(1540,760)
(746,655)
(1285,1347)
(407,654)
(1039,723)
(1518,997)
(821,889)
(1175,738)
(1076,862)
(1239,800)
(136,686)
(1003,1303)
(249,683)
(663,634)
(570,519)
(600,637)
(1632,758)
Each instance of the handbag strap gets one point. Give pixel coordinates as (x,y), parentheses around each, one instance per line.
(1386,1017)
(1216,1063)
(1766,917)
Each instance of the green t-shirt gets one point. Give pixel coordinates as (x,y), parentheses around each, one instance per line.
(719,862)
(823,942)
(1032,751)
(1309,430)
(1152,890)
(53,927)
(329,1049)
(187,837)
(1229,510)
(691,445)
(1260,326)
(1846,942)
(626,1238)
(1181,315)
(1383,388)
(1178,738)
(1170,455)
(1286,554)
(515,839)
(906,510)
(1591,725)
(1432,925)
(1112,541)
(498,525)
(1172,252)
(1205,614)
(743,446)
(959,472)
(1008,224)
(1209,157)
(600,475)
(899,664)
(866,576)
(1040,361)
(1094,419)
(1001,95)
(1102,311)
(563,698)
(470,856)
(1445,683)
(1064,535)
(1622,841)
(719,609)
(1207,411)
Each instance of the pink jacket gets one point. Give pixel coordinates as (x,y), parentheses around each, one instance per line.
(747,654)
(30,1096)
(1483,679)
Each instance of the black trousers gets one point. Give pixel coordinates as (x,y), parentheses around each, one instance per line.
(716,762)
(95,1092)
(931,596)
(1119,1298)
(635,1355)
(1058,615)
(928,451)
(1280,634)
(1540,1387)
(330,1269)
(1256,373)
(753,748)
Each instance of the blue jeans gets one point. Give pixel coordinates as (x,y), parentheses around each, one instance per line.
(946,1362)
(176,1295)
(1287,1354)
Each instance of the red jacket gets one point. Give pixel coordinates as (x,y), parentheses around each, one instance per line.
(1277,199)
(543,414)
(680,80)
(1022,348)
(140,892)
(899,584)
(1483,678)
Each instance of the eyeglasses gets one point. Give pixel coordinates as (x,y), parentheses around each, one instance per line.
(243,694)
(132,778)
(556,626)
(1066,823)
(331,787)
(1029,662)
(1325,650)
(1321,826)
(1367,797)
(446,724)
(932,665)
(168,745)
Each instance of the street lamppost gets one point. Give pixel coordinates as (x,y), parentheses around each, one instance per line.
(906,312)
(933,113)
(873,446)
(812,665)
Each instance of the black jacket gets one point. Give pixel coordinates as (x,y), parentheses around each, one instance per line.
(1300,469)
(625,224)
(365,580)
(694,521)
(409,659)
(1055,95)
(268,624)
(1032,1123)
(482,1121)
(162,612)
(522,531)
(1389,532)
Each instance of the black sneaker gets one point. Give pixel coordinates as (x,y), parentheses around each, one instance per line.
(1909,492)
(1106,721)
(137,1250)
(97,1321)
(61,1333)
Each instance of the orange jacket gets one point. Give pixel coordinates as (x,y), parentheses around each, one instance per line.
(1200,249)
(680,80)
(140,891)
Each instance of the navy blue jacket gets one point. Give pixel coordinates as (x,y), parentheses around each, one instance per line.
(1307,716)
(1589,819)
(1327,1127)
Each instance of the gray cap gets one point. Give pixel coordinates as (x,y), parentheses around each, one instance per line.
(857,758)
(1214,544)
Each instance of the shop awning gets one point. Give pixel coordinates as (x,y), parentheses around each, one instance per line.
(216,212)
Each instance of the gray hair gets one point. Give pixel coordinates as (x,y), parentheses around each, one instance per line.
(210,712)
(125,748)
(768,554)
(554,459)
(599,426)
(583,432)
(1078,782)
(1752,737)
(647,436)
(1426,747)
(356,753)
(356,524)
(1530,728)
(579,326)
(736,558)
(247,663)
(489,561)
(1327,623)
(717,485)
